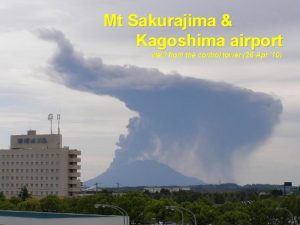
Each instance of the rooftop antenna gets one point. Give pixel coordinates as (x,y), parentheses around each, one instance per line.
(58,123)
(50,118)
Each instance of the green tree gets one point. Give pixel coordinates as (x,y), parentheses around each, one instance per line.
(2,196)
(134,203)
(157,208)
(30,204)
(234,218)
(6,205)
(50,203)
(205,213)
(24,194)
(292,204)
(266,211)
(276,192)
(86,204)
(15,200)
(219,198)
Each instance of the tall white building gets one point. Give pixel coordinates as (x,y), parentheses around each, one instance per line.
(39,162)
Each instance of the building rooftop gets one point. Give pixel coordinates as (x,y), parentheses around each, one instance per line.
(32,140)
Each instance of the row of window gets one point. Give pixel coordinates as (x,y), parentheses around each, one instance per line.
(29,156)
(32,140)
(29,163)
(30,185)
(29,170)
(27,178)
(35,193)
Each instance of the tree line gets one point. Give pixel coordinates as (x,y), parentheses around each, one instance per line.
(229,208)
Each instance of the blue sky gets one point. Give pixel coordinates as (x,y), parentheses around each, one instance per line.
(93,123)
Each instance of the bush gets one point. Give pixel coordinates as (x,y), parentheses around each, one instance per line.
(51,203)
(6,205)
(30,204)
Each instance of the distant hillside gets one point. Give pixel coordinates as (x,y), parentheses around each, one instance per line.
(143,173)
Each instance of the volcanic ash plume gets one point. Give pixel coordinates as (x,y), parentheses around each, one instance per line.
(192,125)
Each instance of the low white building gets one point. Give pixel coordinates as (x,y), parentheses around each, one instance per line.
(171,189)
(39,162)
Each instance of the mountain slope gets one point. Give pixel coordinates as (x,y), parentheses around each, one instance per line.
(142,173)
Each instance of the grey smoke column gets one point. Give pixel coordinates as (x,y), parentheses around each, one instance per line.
(181,120)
